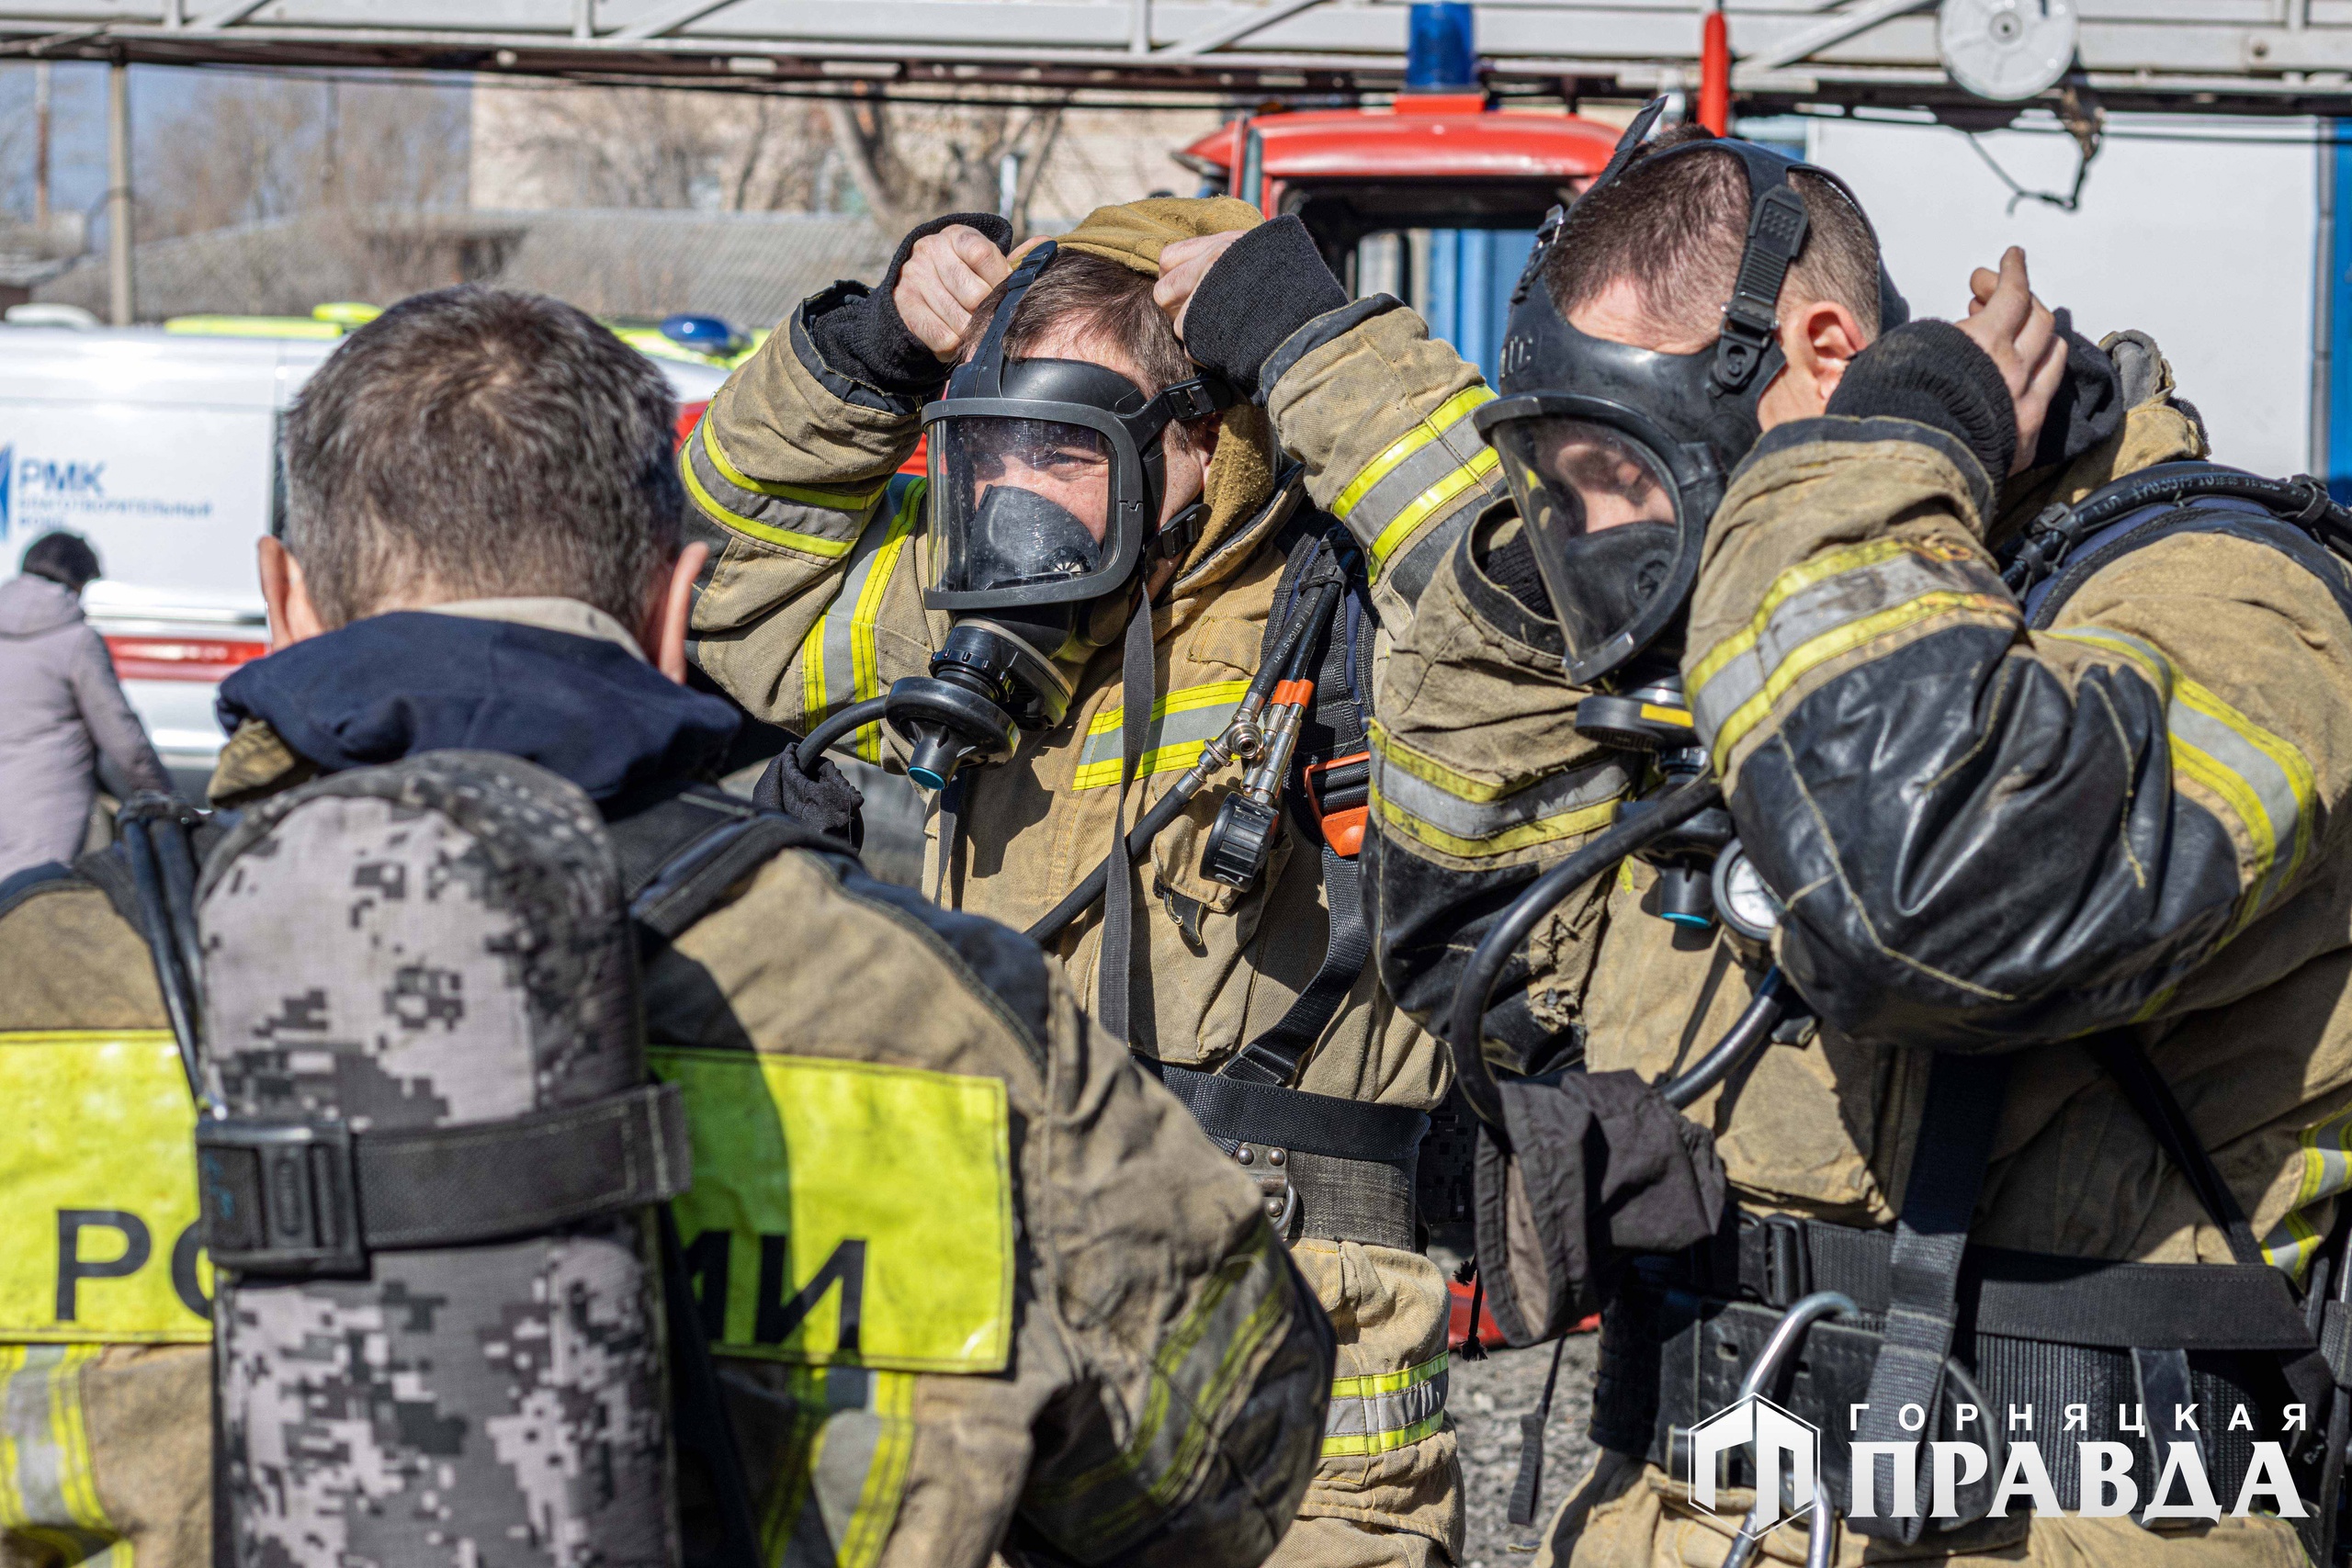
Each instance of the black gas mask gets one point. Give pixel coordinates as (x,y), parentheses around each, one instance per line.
(1617,455)
(1045,484)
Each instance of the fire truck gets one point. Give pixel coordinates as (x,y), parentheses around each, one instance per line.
(1434,199)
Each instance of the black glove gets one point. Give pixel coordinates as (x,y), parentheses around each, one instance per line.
(2088,407)
(857,331)
(1934,373)
(828,801)
(1603,1166)
(1269,283)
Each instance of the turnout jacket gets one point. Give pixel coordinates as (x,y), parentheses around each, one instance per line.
(1158,1376)
(813,600)
(1986,836)
(1989,838)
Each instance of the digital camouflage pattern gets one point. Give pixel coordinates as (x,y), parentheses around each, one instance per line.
(441,941)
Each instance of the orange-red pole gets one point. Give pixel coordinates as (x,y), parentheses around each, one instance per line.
(1714,71)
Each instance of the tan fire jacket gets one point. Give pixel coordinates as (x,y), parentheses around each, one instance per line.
(2145,829)
(1143,1380)
(814,599)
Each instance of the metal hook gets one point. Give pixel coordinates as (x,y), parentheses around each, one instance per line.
(1787,1335)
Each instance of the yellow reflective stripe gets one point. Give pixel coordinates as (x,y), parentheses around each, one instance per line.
(1193,1374)
(866,619)
(75,1484)
(1390,1382)
(1422,507)
(803,495)
(834,1414)
(802,1166)
(99,1122)
(1357,1445)
(841,656)
(49,1493)
(1179,728)
(886,1474)
(12,1499)
(1810,656)
(789,538)
(2325,1155)
(1786,586)
(1405,445)
(2264,781)
(1471,819)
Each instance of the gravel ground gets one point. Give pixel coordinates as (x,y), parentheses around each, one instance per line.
(1487,1398)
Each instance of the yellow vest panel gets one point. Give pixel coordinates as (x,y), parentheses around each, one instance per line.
(848,1213)
(99,1239)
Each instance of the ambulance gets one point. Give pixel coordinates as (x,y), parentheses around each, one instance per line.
(160,445)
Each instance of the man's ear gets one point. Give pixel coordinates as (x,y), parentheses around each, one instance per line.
(292,617)
(670,607)
(1827,337)
(1819,339)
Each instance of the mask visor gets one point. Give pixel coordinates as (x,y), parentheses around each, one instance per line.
(1019,507)
(1606,520)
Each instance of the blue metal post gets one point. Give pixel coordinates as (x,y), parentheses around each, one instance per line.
(2334,304)
(1446,286)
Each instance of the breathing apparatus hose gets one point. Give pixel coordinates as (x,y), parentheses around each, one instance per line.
(1240,738)
(856,716)
(1755,1026)
(1465,1026)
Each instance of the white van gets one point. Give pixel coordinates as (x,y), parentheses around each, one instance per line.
(162,448)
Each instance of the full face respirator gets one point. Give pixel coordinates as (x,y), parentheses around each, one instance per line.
(1617,458)
(1046,479)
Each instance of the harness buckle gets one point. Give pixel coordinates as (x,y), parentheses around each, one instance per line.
(279,1197)
(1270,1169)
(1788,1266)
(1338,791)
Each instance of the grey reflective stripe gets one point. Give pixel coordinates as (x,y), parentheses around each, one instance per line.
(2256,777)
(820,521)
(1491,822)
(47,1493)
(841,657)
(1195,1373)
(1377,1413)
(1181,723)
(1741,669)
(845,1463)
(1454,445)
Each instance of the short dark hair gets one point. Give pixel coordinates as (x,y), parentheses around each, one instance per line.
(62,557)
(1675,227)
(479,443)
(1116,300)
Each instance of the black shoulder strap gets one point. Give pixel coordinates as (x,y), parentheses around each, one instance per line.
(1341,692)
(1947,1159)
(679,857)
(2065,546)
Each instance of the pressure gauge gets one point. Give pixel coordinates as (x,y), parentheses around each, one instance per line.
(2006,50)
(1748,908)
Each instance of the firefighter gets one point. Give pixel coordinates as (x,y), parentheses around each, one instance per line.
(1108,573)
(1129,1366)
(2032,725)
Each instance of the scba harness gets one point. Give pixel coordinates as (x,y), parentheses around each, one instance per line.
(1914,1336)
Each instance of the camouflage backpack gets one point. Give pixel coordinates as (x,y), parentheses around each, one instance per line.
(430,1165)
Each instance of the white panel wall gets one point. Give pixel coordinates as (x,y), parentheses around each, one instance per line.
(2199,233)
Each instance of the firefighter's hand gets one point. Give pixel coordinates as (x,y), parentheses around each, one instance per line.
(949,276)
(2018,329)
(1182,265)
